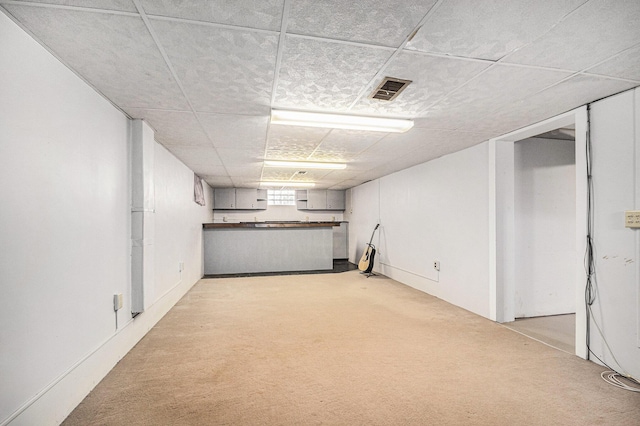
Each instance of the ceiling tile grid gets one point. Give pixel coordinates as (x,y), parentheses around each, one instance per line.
(173,127)
(235,131)
(624,65)
(221,70)
(433,77)
(594,32)
(384,22)
(293,142)
(114,53)
(496,88)
(206,73)
(488,30)
(264,14)
(120,5)
(200,157)
(572,93)
(323,75)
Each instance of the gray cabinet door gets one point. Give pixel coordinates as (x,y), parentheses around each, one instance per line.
(316,199)
(224,198)
(335,200)
(246,198)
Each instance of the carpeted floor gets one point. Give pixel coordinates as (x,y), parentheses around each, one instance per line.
(343,349)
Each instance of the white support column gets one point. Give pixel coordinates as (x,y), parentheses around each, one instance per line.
(142,215)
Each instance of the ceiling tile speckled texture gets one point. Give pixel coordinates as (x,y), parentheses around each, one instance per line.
(205,74)
(114,53)
(432,78)
(120,5)
(241,83)
(386,22)
(263,14)
(322,75)
(594,32)
(488,30)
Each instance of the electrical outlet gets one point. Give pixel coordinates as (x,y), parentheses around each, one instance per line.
(436,265)
(632,219)
(117,302)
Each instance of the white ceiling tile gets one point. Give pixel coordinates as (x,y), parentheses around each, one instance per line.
(114,53)
(264,14)
(496,88)
(347,184)
(173,127)
(229,74)
(244,182)
(236,131)
(343,145)
(322,75)
(570,94)
(433,77)
(120,5)
(197,156)
(251,170)
(597,30)
(240,157)
(294,139)
(386,23)
(488,30)
(222,70)
(272,173)
(625,65)
(217,181)
(419,146)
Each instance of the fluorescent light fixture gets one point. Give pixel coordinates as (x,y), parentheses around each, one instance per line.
(288,183)
(304,165)
(338,121)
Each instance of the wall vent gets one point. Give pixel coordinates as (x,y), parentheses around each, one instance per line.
(389,89)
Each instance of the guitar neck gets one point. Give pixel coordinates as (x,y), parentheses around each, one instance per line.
(373,233)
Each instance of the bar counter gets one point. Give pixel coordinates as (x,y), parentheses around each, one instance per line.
(253,247)
(274,224)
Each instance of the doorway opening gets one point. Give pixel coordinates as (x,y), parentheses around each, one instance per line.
(538,230)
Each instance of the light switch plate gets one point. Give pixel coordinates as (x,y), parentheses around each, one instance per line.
(632,219)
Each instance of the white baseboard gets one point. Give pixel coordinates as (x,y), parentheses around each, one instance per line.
(57,400)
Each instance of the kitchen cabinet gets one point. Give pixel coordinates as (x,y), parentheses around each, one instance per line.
(224,198)
(335,200)
(239,199)
(320,199)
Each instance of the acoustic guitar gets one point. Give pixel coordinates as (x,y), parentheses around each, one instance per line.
(366,261)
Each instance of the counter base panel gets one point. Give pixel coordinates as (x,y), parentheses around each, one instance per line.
(255,250)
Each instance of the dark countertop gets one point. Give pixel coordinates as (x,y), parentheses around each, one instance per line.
(271,224)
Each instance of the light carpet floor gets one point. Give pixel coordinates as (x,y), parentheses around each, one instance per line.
(343,349)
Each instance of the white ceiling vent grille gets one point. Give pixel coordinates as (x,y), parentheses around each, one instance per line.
(389,89)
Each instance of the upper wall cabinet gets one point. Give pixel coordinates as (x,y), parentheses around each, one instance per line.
(239,199)
(320,199)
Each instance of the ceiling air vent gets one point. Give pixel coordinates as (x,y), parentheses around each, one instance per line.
(389,89)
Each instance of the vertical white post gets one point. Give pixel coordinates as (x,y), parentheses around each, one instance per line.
(142,215)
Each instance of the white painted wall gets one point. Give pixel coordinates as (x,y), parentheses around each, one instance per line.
(615,135)
(65,233)
(545,211)
(434,211)
(363,213)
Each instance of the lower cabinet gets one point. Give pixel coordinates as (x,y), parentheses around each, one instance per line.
(341,241)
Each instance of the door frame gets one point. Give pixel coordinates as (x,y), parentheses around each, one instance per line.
(502,218)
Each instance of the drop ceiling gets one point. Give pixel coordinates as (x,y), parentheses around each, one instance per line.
(205,74)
